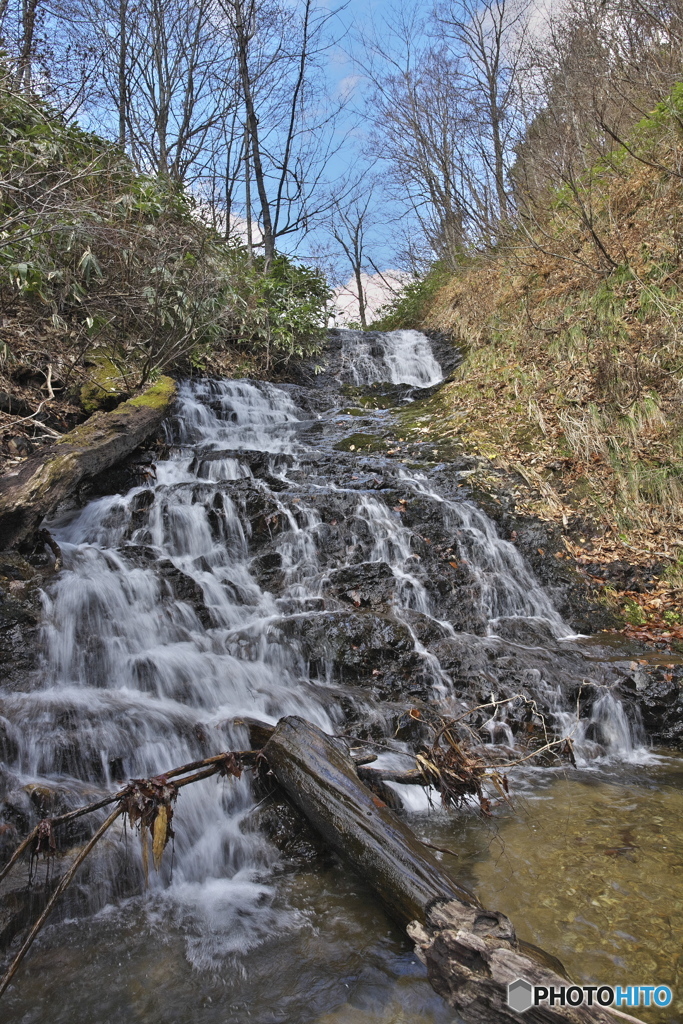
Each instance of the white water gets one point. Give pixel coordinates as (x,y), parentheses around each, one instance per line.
(508,589)
(134,682)
(400,357)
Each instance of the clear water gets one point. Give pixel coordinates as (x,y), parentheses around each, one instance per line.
(589,865)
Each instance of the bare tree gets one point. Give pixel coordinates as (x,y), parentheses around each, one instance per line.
(600,67)
(487,38)
(289,120)
(447,114)
(168,70)
(419,127)
(349,224)
(19,38)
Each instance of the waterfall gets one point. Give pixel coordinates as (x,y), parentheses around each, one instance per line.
(400,357)
(181,605)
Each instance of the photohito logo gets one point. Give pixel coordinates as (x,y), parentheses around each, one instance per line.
(522,995)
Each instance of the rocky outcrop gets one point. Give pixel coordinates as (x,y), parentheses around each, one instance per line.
(38,485)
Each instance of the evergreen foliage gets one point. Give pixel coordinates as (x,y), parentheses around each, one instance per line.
(102,264)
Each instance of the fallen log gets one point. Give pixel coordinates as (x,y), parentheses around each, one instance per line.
(37,486)
(472,954)
(319,778)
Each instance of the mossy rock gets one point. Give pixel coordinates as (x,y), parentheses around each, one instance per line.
(158,396)
(106,387)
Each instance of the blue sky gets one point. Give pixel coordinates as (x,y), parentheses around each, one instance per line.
(355,21)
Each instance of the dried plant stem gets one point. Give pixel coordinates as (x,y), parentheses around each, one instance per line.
(210,764)
(18,852)
(64,882)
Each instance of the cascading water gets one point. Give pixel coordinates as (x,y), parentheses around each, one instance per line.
(189,603)
(400,357)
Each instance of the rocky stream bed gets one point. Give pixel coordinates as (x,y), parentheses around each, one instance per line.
(274,555)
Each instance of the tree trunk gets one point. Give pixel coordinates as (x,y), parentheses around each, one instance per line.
(37,486)
(243,39)
(122,97)
(319,777)
(28,26)
(361,296)
(472,954)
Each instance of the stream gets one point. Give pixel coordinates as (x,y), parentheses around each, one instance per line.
(265,567)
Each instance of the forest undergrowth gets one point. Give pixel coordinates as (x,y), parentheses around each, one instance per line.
(110,278)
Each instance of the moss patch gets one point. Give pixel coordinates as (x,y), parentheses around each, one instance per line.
(158,396)
(362,443)
(105,387)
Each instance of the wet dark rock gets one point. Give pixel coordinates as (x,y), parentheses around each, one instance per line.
(47,801)
(289,831)
(524,631)
(142,501)
(136,470)
(445,350)
(141,554)
(20,611)
(260,509)
(184,588)
(455,594)
(369,584)
(9,748)
(427,630)
(655,693)
(361,647)
(484,666)
(267,569)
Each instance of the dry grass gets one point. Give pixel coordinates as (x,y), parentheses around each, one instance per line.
(573,376)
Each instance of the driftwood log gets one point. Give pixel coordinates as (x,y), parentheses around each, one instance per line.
(471,953)
(37,486)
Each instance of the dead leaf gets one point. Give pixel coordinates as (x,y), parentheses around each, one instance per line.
(145,853)
(160,834)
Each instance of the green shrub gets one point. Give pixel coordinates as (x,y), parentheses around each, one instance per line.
(407,310)
(121,262)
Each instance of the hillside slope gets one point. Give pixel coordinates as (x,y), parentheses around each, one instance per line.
(109,278)
(573,370)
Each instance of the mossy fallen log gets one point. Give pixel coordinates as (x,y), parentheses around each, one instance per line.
(38,485)
(472,954)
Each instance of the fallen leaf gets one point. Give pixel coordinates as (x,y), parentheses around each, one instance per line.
(160,833)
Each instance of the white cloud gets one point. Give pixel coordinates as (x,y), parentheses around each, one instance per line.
(378,290)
